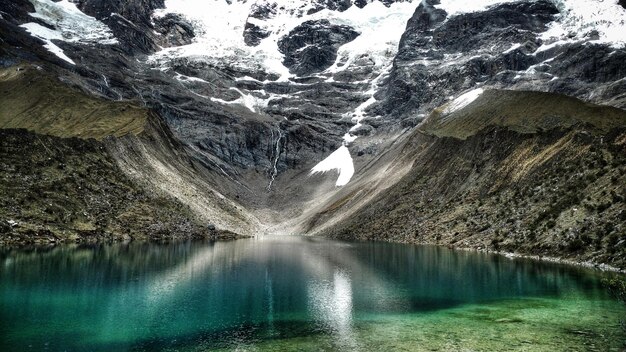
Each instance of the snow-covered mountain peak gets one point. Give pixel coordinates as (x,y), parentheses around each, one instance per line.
(222,38)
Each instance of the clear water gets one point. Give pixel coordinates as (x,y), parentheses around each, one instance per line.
(297,293)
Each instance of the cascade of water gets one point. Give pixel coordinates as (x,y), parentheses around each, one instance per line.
(275,156)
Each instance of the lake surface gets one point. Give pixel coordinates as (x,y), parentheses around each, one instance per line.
(297,293)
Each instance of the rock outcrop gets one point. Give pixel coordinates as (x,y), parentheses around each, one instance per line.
(502,47)
(312,46)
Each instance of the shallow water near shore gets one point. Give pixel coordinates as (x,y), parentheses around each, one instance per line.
(298,293)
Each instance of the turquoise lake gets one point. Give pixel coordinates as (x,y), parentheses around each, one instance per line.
(298,293)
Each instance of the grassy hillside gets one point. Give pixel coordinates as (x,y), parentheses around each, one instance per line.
(37,101)
(523,112)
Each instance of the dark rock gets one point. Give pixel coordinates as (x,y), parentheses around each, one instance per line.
(130,21)
(253,34)
(440,59)
(177,30)
(312,46)
(16,11)
(138,12)
(133,38)
(334,5)
(4,227)
(469,31)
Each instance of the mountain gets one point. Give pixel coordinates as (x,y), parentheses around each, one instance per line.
(517,171)
(403,120)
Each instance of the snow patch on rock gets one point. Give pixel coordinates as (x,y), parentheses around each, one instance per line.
(341,161)
(70,25)
(463,101)
(220,26)
(253,103)
(455,7)
(381,29)
(579,19)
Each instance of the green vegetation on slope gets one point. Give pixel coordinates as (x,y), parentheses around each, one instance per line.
(37,101)
(524,112)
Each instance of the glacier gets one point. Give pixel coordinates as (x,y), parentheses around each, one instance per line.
(70,25)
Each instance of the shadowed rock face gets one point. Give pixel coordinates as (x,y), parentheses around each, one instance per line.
(130,21)
(175,28)
(253,34)
(312,46)
(136,11)
(16,10)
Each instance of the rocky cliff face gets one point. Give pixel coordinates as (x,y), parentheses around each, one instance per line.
(510,45)
(260,93)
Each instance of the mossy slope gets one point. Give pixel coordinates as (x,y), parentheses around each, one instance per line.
(523,112)
(37,101)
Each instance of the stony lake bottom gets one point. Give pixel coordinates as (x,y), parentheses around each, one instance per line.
(283,293)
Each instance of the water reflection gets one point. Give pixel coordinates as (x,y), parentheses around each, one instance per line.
(238,294)
(330,304)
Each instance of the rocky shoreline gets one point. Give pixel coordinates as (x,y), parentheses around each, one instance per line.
(48,238)
(550,259)
(48,241)
(545,190)
(510,255)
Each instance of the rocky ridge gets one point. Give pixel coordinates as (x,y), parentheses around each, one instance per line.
(526,172)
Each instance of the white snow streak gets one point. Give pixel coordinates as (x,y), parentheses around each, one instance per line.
(455,7)
(47,35)
(380,28)
(251,102)
(463,101)
(341,161)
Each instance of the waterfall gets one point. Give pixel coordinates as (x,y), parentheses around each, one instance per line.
(275,156)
